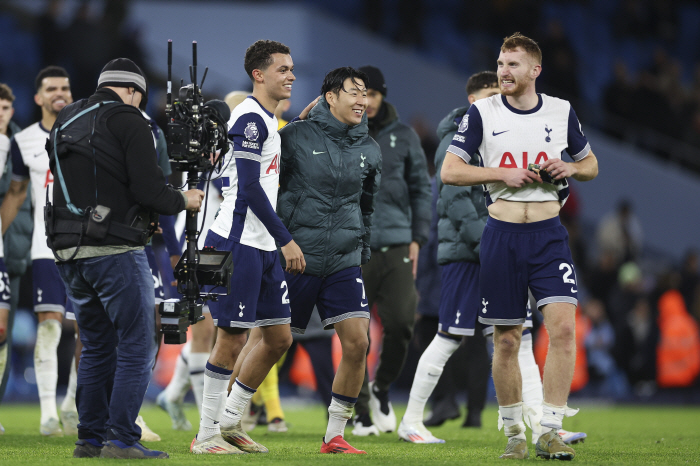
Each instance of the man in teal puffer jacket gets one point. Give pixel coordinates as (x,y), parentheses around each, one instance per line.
(329,178)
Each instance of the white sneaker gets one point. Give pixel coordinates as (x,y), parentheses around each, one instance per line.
(175,411)
(51,428)
(277,425)
(417,433)
(571,438)
(147,435)
(2,429)
(382,412)
(69,420)
(215,446)
(362,430)
(236,436)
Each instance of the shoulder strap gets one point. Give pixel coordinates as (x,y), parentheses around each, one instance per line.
(69,204)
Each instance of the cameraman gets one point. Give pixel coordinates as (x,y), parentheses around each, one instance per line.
(106,157)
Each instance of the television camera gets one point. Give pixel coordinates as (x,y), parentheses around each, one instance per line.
(197,142)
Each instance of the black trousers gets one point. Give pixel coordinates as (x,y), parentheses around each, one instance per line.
(388,279)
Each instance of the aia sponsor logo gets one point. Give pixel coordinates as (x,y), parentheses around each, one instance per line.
(274,166)
(508,160)
(49,178)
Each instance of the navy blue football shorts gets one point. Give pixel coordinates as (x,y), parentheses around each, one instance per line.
(259,295)
(515,256)
(49,291)
(157,280)
(459,298)
(338,297)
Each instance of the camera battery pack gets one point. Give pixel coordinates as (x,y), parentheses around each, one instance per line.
(98,222)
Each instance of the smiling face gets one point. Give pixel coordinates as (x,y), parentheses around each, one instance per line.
(516,72)
(349,104)
(278,77)
(53,95)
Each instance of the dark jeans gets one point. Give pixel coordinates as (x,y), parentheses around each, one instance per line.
(114,301)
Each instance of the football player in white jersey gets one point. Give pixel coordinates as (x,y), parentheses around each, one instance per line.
(248,226)
(4,281)
(524,245)
(31,162)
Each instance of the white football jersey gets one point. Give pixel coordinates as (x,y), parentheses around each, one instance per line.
(30,161)
(253,131)
(4,150)
(503,136)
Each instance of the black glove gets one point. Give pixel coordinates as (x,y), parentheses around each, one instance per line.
(544,174)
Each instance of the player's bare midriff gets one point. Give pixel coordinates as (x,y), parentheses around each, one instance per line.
(523,212)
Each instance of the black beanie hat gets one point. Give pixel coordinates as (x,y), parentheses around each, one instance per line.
(122,72)
(376,78)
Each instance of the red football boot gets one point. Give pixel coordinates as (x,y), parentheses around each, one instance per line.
(339,445)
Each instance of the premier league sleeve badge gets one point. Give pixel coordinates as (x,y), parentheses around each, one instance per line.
(464,124)
(251,131)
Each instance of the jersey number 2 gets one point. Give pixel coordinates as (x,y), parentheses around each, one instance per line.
(567,275)
(285,296)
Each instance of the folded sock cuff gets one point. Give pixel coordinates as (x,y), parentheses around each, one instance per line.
(344,399)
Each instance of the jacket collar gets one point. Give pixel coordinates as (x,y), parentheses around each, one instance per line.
(103,94)
(386,116)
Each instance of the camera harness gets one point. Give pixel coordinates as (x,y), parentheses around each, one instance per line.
(93,222)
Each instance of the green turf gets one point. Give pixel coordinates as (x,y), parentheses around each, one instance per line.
(616,435)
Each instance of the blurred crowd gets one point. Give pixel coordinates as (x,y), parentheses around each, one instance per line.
(639,327)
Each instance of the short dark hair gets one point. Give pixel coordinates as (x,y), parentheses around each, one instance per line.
(6,93)
(49,72)
(481,80)
(528,45)
(334,80)
(259,55)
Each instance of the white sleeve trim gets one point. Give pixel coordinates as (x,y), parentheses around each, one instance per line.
(583,154)
(461,153)
(247,155)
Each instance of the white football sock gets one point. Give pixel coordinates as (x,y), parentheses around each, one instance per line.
(552,415)
(197,364)
(215,386)
(532,386)
(69,401)
(48,334)
(511,417)
(339,411)
(428,373)
(180,382)
(235,403)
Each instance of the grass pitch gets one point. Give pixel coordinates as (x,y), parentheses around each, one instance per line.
(616,435)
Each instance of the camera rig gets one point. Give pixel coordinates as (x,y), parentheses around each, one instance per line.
(197,138)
